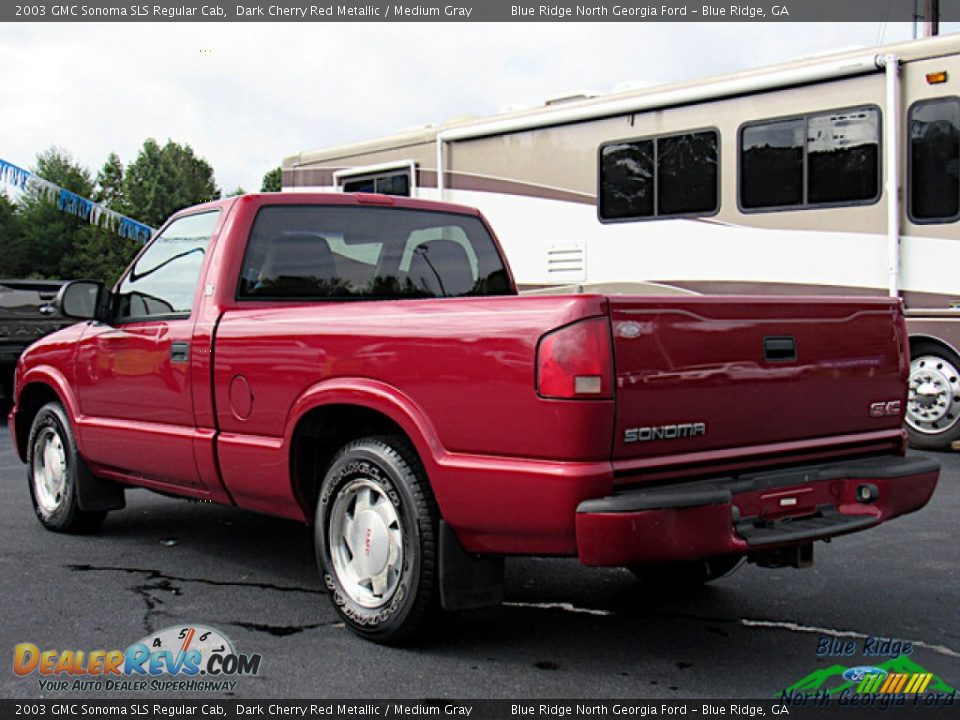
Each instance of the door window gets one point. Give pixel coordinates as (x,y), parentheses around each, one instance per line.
(163,281)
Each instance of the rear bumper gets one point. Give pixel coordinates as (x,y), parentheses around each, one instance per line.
(751,512)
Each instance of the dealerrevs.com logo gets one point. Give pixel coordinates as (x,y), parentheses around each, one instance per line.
(178,658)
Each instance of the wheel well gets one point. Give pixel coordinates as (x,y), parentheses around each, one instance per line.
(930,340)
(33,397)
(320,434)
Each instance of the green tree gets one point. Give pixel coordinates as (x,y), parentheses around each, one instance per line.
(109,183)
(165,179)
(38,239)
(10,235)
(99,254)
(48,235)
(272,181)
(238,191)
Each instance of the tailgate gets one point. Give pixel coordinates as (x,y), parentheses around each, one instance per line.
(714,373)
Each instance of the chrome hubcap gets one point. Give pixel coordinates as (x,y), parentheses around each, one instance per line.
(49,471)
(366,543)
(933,399)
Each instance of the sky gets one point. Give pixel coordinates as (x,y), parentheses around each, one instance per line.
(245,95)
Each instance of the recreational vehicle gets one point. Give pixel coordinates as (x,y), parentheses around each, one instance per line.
(833,175)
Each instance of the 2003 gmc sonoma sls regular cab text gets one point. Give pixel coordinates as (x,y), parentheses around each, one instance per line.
(364,363)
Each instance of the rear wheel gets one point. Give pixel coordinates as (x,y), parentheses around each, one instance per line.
(54,471)
(933,397)
(376,540)
(688,574)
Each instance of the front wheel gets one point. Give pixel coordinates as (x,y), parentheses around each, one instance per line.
(376,539)
(933,396)
(688,574)
(55,470)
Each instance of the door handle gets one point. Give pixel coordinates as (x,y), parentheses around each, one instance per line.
(179,352)
(780,349)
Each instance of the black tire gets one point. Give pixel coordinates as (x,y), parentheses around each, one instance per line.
(364,475)
(944,368)
(688,574)
(54,472)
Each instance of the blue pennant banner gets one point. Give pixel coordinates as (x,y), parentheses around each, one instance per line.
(70,202)
(12,175)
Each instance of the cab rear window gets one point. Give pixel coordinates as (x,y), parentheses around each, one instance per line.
(340,252)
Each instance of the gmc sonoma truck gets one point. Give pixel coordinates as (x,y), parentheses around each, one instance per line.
(363,363)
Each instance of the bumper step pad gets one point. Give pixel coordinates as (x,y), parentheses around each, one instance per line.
(826,523)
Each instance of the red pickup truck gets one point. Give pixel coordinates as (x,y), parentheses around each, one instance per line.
(363,363)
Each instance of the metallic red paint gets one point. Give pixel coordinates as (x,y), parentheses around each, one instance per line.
(847,357)
(663,535)
(458,377)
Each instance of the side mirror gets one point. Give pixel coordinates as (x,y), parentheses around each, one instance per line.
(80,299)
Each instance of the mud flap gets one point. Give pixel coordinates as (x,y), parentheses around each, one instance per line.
(95,493)
(467,581)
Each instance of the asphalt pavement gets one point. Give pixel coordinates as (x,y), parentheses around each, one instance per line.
(565,631)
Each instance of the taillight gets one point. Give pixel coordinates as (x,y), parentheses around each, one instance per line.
(576,361)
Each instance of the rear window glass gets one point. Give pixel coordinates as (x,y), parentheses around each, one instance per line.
(330,252)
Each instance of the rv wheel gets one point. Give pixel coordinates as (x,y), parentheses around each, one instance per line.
(933,397)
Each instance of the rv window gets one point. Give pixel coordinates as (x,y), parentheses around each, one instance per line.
(365,185)
(825,159)
(687,174)
(669,176)
(626,180)
(843,157)
(934,194)
(389,184)
(771,164)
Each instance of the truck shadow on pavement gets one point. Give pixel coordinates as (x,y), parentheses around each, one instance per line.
(564,630)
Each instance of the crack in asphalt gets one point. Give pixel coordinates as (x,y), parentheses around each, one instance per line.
(157,582)
(164,583)
(743,622)
(158,575)
(146,592)
(566,607)
(279,630)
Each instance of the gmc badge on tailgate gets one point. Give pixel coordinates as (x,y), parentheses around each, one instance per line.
(664,432)
(884,409)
